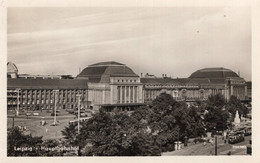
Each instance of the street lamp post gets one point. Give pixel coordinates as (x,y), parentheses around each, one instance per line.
(18,101)
(55,103)
(13,122)
(78,96)
(216,141)
(216,145)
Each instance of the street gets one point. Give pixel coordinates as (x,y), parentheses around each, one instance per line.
(209,149)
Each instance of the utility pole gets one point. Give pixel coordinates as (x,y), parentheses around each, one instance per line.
(13,122)
(18,101)
(216,145)
(55,103)
(78,95)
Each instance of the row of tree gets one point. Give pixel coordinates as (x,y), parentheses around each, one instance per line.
(19,144)
(148,131)
(152,130)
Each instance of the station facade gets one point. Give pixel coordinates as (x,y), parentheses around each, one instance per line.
(112,85)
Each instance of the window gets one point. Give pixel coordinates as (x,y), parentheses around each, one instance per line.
(118,94)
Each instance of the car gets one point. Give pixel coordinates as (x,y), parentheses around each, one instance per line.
(28,114)
(71,111)
(248,131)
(236,137)
(83,115)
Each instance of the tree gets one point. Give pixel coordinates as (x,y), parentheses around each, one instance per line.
(115,134)
(70,134)
(172,121)
(217,116)
(163,104)
(217,100)
(16,141)
(234,104)
(197,126)
(216,119)
(50,148)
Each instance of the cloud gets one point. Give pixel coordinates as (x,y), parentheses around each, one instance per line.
(176,41)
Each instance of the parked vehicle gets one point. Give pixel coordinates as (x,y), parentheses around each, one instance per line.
(248,131)
(52,114)
(236,137)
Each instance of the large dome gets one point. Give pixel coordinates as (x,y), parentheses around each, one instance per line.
(11,68)
(100,72)
(213,73)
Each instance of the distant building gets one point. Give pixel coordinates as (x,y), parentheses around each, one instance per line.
(224,80)
(39,93)
(249,90)
(198,86)
(181,89)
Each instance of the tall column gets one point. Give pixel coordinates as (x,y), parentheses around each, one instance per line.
(34,97)
(44,98)
(26,99)
(246,92)
(137,94)
(103,96)
(133,94)
(40,99)
(112,101)
(121,95)
(125,94)
(74,97)
(232,89)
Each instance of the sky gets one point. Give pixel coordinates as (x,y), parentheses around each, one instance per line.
(169,40)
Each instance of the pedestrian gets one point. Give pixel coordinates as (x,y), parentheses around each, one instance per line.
(211,141)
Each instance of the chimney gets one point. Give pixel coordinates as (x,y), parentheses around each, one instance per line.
(239,73)
(141,74)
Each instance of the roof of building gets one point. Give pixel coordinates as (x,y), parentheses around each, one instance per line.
(100,72)
(213,73)
(174,81)
(11,68)
(46,76)
(106,63)
(47,83)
